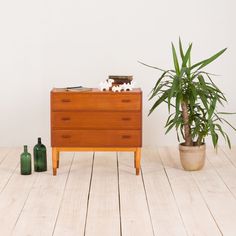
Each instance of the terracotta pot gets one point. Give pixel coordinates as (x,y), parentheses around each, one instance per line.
(192,157)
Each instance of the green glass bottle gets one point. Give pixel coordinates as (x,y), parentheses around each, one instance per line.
(25,162)
(40,157)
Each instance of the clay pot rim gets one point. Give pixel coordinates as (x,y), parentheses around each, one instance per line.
(194,144)
(184,147)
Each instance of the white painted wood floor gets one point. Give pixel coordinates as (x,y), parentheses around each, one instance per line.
(99,194)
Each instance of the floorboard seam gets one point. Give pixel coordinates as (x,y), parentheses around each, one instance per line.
(118,176)
(25,202)
(149,212)
(222,179)
(12,173)
(90,184)
(227,156)
(58,212)
(181,217)
(207,205)
(9,178)
(4,157)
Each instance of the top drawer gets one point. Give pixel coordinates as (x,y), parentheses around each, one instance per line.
(96,101)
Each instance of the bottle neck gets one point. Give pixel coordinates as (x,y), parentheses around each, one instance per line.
(39,141)
(25,148)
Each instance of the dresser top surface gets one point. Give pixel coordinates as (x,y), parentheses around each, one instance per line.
(94,90)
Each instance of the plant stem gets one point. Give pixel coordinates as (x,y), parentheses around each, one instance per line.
(187,133)
(199,140)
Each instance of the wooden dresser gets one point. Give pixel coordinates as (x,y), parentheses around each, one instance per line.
(96,121)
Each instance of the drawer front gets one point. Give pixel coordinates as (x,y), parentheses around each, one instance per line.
(96,138)
(96,120)
(96,101)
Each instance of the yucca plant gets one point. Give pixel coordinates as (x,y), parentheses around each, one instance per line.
(194,96)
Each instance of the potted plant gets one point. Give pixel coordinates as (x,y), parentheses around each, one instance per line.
(192,99)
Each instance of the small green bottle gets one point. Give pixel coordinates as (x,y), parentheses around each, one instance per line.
(40,157)
(25,162)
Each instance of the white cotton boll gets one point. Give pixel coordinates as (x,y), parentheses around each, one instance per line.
(113,88)
(110,81)
(127,87)
(116,88)
(123,86)
(104,86)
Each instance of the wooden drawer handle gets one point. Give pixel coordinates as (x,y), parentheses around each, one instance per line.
(65,136)
(126,118)
(65,100)
(65,118)
(126,136)
(125,100)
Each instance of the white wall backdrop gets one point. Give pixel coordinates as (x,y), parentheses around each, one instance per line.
(53,43)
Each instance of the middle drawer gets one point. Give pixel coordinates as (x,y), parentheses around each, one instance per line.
(96,120)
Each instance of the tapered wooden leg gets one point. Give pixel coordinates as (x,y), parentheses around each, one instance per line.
(58,159)
(137,160)
(55,154)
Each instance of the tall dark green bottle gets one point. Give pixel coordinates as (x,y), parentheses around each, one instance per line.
(25,162)
(40,157)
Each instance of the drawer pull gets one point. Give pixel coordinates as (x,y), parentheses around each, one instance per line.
(65,118)
(65,136)
(125,100)
(66,100)
(126,118)
(126,136)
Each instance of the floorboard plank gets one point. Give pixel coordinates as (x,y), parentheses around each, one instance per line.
(8,166)
(72,215)
(164,211)
(195,214)
(225,169)
(135,217)
(90,195)
(103,209)
(230,154)
(13,196)
(40,211)
(3,153)
(218,197)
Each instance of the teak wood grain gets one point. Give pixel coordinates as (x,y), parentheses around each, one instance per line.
(96,101)
(96,119)
(96,138)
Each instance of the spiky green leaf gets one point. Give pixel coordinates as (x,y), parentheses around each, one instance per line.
(159,101)
(181,49)
(175,59)
(211,59)
(187,56)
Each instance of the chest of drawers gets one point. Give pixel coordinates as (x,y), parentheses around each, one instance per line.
(96,121)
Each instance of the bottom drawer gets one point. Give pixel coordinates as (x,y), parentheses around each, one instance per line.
(96,138)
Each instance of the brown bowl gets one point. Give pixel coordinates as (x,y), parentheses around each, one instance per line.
(120,79)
